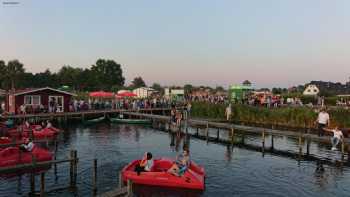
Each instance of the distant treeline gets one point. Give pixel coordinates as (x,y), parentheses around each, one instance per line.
(103,75)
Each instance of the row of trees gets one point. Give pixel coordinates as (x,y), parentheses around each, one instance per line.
(103,75)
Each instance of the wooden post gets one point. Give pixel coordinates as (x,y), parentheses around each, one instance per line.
(55,166)
(272,142)
(300,146)
(120,184)
(342,149)
(207,131)
(308,146)
(263,141)
(232,136)
(243,138)
(71,169)
(32,184)
(75,167)
(218,134)
(94,178)
(42,184)
(129,186)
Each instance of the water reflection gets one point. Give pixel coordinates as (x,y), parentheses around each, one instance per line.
(231,170)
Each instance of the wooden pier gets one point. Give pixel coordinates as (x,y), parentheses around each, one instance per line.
(233,129)
(82,114)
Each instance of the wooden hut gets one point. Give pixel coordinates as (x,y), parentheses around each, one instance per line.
(37,100)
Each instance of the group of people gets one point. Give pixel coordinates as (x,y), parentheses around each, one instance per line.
(323,122)
(215,99)
(178,168)
(124,103)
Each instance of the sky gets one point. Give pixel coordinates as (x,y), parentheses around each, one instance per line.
(272,43)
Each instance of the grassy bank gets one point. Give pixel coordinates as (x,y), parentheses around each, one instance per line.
(288,116)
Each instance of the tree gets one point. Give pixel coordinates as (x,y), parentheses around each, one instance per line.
(188,88)
(3,73)
(107,73)
(157,86)
(70,76)
(138,82)
(219,89)
(247,83)
(13,72)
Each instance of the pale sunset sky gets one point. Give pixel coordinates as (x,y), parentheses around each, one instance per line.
(273,43)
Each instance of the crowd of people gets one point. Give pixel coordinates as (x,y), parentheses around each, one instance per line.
(127,103)
(215,99)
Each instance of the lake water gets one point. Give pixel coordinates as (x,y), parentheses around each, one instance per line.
(236,171)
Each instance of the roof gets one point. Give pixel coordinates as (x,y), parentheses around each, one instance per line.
(31,90)
(145,88)
(241,87)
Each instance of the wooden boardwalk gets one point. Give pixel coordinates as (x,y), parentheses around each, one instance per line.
(83,113)
(242,129)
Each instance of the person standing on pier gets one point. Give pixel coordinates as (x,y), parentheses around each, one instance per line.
(188,109)
(322,121)
(337,137)
(228,112)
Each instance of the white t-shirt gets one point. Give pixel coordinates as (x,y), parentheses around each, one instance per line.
(323,118)
(29,147)
(337,133)
(149,165)
(228,110)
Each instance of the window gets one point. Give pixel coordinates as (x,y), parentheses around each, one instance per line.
(32,100)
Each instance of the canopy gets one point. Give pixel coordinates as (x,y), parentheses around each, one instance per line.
(101,94)
(126,94)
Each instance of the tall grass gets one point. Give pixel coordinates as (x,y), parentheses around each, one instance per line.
(288,116)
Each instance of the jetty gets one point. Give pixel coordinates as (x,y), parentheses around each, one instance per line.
(233,129)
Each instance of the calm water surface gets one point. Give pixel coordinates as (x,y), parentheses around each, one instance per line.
(230,172)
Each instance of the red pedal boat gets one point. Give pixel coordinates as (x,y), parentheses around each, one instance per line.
(5,140)
(193,178)
(11,156)
(43,133)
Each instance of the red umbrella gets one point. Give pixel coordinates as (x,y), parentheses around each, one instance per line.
(126,94)
(101,94)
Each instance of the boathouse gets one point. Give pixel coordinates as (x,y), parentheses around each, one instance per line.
(37,100)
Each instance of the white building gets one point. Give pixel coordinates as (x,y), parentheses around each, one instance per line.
(311,90)
(143,92)
(174,92)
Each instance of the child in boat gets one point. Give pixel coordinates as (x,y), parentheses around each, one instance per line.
(28,145)
(337,137)
(145,164)
(48,124)
(26,125)
(181,164)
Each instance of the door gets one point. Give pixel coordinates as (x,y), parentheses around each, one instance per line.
(59,102)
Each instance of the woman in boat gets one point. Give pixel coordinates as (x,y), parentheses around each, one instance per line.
(27,146)
(48,124)
(181,164)
(145,164)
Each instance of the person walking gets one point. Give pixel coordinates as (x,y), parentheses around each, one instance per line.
(337,137)
(322,121)
(228,112)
